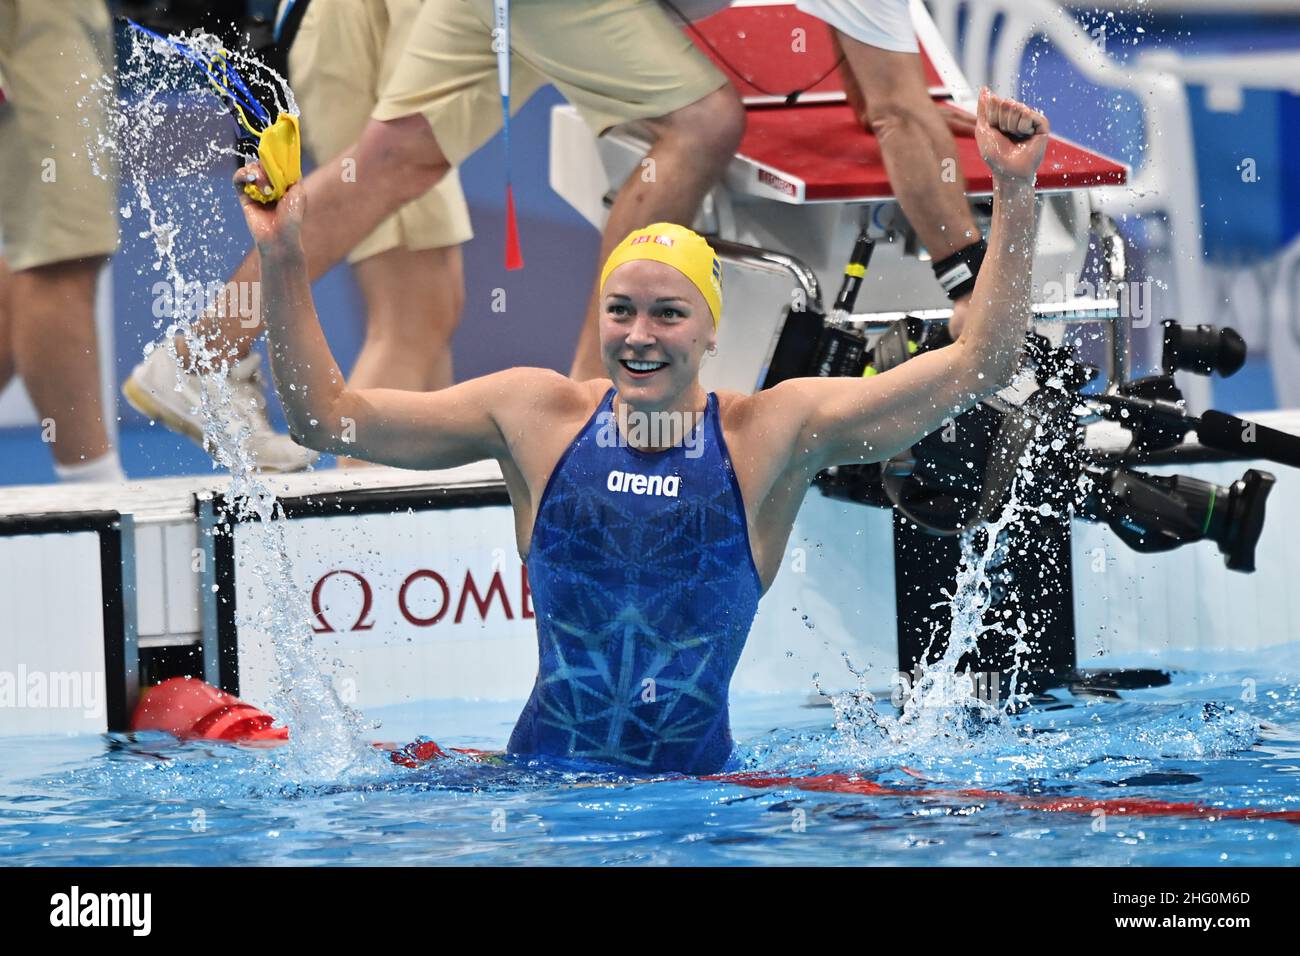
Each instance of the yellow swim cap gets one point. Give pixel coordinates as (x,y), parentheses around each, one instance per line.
(279,150)
(686,251)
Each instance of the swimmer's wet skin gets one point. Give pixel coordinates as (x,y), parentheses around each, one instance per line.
(647,561)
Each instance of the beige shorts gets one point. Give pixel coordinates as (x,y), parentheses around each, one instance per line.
(343,53)
(53,208)
(614,60)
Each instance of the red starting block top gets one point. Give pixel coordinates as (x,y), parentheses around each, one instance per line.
(769,52)
(817,150)
(821,152)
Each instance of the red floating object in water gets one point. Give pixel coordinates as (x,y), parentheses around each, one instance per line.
(190,709)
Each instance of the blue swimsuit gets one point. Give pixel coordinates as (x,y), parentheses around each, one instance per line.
(644,589)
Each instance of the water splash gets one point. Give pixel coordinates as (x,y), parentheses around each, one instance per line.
(163,134)
(942,710)
(945,714)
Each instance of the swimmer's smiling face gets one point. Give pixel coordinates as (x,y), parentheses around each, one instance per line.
(654,330)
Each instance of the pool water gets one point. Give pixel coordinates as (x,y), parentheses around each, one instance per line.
(1048,788)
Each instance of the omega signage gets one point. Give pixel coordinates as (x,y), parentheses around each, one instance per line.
(425,598)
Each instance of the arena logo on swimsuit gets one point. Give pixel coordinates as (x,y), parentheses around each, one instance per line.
(629,483)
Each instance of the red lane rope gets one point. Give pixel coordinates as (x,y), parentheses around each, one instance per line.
(418,752)
(1123,806)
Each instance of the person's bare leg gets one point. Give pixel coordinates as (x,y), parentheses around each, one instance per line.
(692,149)
(6,328)
(413,306)
(56,352)
(917,146)
(394,162)
(914,142)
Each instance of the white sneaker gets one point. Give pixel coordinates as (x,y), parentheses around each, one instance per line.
(151,390)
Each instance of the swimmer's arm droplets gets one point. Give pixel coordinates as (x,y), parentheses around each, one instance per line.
(410,429)
(865,420)
(1012,140)
(442,429)
(306,376)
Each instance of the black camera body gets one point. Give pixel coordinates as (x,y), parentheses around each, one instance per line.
(961,476)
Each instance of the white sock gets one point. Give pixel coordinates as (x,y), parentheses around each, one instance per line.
(105,468)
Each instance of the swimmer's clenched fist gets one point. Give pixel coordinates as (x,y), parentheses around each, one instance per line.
(1012,138)
(270,224)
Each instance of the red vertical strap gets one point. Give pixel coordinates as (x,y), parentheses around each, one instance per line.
(501,45)
(514,256)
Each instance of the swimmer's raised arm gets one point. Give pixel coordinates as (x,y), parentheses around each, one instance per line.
(845,420)
(439,429)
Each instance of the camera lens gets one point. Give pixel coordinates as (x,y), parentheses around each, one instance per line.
(1205,350)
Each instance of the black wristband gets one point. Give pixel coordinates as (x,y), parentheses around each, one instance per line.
(957,272)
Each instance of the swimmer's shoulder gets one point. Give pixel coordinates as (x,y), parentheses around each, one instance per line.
(533,396)
(595,390)
(732,410)
(740,413)
(539,415)
(765,424)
